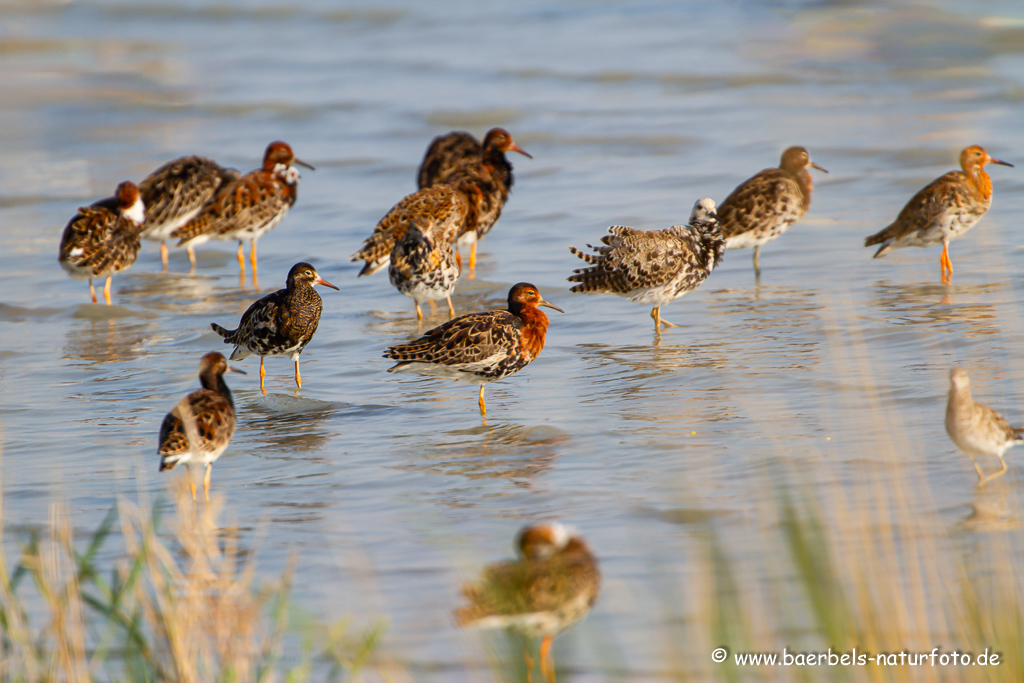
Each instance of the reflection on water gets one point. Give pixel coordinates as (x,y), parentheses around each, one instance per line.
(940,305)
(106,339)
(499,450)
(991,510)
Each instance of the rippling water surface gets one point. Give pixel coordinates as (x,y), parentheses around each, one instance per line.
(390,489)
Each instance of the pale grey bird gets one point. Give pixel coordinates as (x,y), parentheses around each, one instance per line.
(977,429)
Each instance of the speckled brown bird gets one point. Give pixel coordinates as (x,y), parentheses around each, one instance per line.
(423,265)
(249,207)
(653,267)
(200,427)
(976,429)
(945,209)
(763,207)
(444,206)
(176,192)
(279,324)
(103,239)
(554,584)
(480,347)
(485,179)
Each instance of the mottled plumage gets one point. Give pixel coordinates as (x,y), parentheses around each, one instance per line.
(480,347)
(763,207)
(977,429)
(279,324)
(484,181)
(200,427)
(441,204)
(653,267)
(423,265)
(447,154)
(176,192)
(552,585)
(250,206)
(103,239)
(945,209)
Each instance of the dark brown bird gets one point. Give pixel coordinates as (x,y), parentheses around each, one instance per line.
(484,179)
(480,347)
(763,207)
(249,207)
(946,208)
(552,585)
(279,324)
(200,427)
(176,192)
(103,239)
(442,205)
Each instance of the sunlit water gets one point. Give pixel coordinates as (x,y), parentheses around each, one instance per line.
(388,488)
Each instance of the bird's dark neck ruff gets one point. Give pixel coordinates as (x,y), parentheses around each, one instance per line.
(495,159)
(214,381)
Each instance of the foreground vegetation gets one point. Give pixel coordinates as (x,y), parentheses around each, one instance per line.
(179,605)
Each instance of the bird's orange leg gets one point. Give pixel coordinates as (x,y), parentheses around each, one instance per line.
(946,264)
(298,375)
(92,291)
(163,255)
(191,482)
(241,259)
(106,290)
(472,261)
(206,482)
(263,373)
(252,259)
(458,259)
(483,405)
(547,664)
(451,309)
(191,258)
(419,311)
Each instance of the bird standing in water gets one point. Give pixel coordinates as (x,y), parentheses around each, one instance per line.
(761,208)
(480,347)
(279,324)
(200,427)
(653,267)
(103,239)
(946,208)
(977,429)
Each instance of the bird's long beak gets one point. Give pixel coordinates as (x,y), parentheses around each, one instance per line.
(990,160)
(320,281)
(545,302)
(232,368)
(300,162)
(516,148)
(814,165)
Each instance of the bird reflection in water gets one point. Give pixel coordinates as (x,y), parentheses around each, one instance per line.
(916,304)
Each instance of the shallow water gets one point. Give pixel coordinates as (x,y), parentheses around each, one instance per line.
(389,488)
